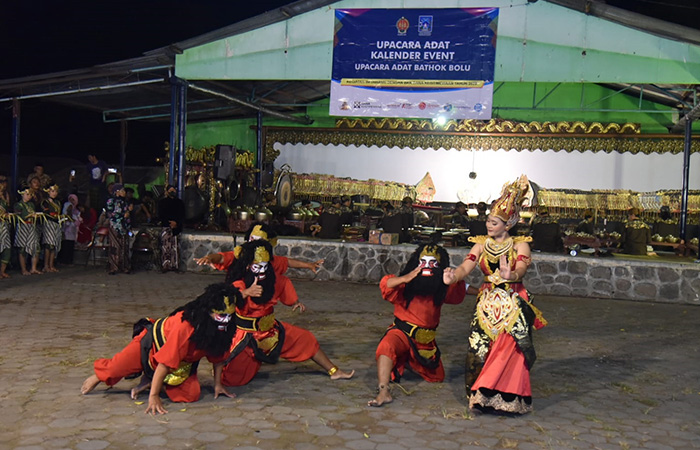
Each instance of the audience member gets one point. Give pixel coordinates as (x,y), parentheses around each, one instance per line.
(477,227)
(118,212)
(44,179)
(88,221)
(97,171)
(171,212)
(459,217)
(70,229)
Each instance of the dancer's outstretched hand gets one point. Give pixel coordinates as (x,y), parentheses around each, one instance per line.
(448,276)
(155,406)
(300,306)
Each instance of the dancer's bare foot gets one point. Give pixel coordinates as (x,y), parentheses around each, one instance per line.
(26,272)
(89,384)
(4,275)
(383,396)
(36,272)
(144,384)
(53,269)
(340,375)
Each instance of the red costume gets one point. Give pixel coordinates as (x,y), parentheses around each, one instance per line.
(423,313)
(298,344)
(177,349)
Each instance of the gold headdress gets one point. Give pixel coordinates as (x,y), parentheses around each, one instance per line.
(261,255)
(24,191)
(229,308)
(507,208)
(431,250)
(259,233)
(53,186)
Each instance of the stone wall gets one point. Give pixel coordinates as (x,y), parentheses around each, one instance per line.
(549,274)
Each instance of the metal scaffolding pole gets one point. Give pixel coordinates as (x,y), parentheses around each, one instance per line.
(14,161)
(181,128)
(173,130)
(686,174)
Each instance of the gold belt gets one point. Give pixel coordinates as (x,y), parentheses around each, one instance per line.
(421,335)
(263,323)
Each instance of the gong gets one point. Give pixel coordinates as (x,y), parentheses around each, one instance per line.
(283,190)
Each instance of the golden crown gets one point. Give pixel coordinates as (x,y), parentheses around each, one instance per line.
(229,309)
(430,250)
(261,255)
(507,207)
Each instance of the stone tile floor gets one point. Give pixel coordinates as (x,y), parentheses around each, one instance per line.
(610,375)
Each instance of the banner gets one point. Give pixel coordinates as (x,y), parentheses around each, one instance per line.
(424,63)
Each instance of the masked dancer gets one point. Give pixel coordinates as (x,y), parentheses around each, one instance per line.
(168,350)
(417,294)
(284,289)
(51,231)
(26,237)
(501,351)
(260,337)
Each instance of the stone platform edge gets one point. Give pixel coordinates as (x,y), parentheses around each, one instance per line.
(550,274)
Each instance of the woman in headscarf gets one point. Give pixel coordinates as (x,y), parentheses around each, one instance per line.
(70,229)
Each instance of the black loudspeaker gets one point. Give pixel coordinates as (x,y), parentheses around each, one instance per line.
(225,161)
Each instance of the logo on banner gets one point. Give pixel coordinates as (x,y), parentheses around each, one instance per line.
(425,25)
(402,26)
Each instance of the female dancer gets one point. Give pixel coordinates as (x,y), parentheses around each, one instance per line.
(26,237)
(5,243)
(501,352)
(51,231)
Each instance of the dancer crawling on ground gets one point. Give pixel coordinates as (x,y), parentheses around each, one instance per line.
(284,289)
(260,337)
(417,295)
(168,350)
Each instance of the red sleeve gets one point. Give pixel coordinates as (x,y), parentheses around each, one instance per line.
(228,259)
(239,284)
(455,293)
(177,342)
(391,294)
(280,264)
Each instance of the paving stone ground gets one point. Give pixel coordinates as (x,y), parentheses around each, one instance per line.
(610,374)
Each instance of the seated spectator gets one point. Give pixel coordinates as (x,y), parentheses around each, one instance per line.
(459,217)
(586,225)
(330,221)
(666,225)
(637,234)
(88,221)
(546,233)
(477,227)
(139,212)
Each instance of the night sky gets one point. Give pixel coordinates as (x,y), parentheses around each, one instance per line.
(43,36)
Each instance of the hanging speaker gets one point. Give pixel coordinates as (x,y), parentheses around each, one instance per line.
(225,161)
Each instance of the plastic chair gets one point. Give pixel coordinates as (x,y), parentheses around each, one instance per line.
(143,249)
(100,241)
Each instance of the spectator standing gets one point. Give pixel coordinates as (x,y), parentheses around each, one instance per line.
(97,171)
(44,179)
(171,211)
(118,212)
(70,229)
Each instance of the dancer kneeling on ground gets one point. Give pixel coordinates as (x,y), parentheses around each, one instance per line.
(259,336)
(501,351)
(417,295)
(168,350)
